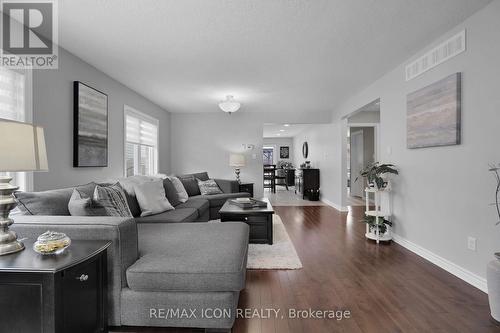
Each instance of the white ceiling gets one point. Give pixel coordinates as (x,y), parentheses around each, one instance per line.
(282,131)
(279,55)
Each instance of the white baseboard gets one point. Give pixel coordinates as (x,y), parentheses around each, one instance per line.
(450,267)
(337,207)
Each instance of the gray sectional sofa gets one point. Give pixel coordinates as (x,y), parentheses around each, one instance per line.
(157,263)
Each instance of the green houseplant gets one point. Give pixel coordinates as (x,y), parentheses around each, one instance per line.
(380,225)
(374,172)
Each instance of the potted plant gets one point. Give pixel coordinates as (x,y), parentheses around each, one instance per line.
(493,269)
(375,226)
(375,172)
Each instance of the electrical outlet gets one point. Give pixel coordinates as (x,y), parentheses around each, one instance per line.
(471,243)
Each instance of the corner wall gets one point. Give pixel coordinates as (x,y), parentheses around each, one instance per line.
(324,150)
(442,195)
(53,109)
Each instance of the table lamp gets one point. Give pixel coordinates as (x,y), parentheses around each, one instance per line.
(237,161)
(22,148)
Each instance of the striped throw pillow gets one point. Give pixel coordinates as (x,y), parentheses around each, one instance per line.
(112,199)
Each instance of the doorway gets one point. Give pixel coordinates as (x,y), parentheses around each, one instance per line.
(362,141)
(283,161)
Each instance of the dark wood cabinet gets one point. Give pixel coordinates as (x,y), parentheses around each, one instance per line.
(59,293)
(246,187)
(307,181)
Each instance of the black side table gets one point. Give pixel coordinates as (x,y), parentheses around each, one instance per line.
(246,187)
(56,293)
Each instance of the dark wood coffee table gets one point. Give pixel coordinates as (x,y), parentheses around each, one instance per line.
(260,220)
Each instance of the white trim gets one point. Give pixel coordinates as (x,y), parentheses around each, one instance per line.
(334,205)
(460,272)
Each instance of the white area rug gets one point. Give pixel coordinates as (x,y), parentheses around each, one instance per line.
(280,255)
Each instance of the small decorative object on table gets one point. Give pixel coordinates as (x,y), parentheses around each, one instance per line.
(51,242)
(248,202)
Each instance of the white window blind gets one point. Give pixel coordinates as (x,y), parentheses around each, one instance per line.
(141,143)
(15,104)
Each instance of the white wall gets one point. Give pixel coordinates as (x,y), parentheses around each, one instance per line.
(324,150)
(365,117)
(203,141)
(442,194)
(53,109)
(277,143)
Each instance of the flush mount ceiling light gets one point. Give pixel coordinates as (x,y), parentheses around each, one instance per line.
(229,105)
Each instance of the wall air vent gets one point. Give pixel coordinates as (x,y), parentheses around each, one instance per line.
(444,51)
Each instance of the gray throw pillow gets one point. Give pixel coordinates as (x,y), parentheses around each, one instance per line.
(112,199)
(171,192)
(191,186)
(197,175)
(81,204)
(151,198)
(208,187)
(52,202)
(182,195)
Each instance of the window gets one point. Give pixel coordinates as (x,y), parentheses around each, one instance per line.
(268,155)
(141,143)
(16,104)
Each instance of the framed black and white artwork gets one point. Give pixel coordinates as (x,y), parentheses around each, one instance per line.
(285,152)
(90,126)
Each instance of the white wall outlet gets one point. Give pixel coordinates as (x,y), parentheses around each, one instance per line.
(389,150)
(471,243)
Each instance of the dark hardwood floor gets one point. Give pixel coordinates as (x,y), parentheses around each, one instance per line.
(386,288)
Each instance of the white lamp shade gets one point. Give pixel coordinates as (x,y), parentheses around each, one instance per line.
(237,160)
(22,147)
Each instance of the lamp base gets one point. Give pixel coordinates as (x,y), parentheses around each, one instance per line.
(237,172)
(8,238)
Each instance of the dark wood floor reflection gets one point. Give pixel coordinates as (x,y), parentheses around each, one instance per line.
(386,288)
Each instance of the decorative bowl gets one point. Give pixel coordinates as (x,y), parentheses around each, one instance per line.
(51,242)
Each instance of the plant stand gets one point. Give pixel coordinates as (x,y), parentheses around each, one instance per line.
(377,213)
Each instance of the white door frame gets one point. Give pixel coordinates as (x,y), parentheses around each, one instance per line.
(356,189)
(376,140)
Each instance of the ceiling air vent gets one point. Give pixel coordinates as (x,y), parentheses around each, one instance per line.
(444,51)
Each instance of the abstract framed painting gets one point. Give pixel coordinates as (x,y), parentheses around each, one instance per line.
(433,114)
(90,126)
(284,152)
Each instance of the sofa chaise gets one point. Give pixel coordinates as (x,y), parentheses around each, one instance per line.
(160,266)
